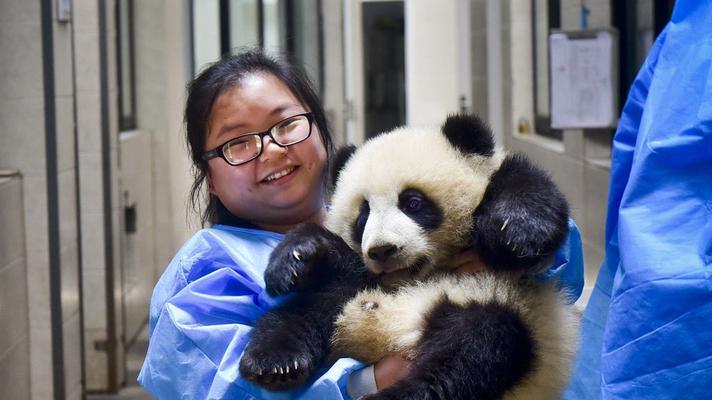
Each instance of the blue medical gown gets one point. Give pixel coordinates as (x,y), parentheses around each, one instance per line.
(208,299)
(647,331)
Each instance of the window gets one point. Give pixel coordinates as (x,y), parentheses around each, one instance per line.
(384,65)
(126,64)
(638,22)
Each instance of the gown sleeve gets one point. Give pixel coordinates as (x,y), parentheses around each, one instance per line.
(567,265)
(202,311)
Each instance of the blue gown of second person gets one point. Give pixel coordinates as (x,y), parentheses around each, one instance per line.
(647,330)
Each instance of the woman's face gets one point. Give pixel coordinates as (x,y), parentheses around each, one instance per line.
(257,103)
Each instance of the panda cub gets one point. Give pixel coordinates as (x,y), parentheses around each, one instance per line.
(376,280)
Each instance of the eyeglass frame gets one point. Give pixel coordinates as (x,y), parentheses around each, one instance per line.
(220,152)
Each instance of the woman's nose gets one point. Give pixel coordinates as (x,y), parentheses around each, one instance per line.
(270,148)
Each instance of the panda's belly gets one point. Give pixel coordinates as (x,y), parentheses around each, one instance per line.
(377,322)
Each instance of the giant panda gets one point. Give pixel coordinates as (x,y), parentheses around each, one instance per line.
(375,278)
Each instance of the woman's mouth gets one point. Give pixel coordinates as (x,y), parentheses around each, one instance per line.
(279,174)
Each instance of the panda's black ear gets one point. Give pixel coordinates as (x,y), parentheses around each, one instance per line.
(469,134)
(338,161)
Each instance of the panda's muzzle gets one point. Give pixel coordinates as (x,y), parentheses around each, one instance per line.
(385,258)
(389,258)
(382,253)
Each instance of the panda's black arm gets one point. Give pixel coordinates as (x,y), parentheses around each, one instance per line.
(473,352)
(290,341)
(311,257)
(522,218)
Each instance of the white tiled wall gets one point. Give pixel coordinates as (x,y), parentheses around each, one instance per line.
(14,314)
(21,141)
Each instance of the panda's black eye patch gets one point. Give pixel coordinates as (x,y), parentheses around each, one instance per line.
(360,223)
(420,208)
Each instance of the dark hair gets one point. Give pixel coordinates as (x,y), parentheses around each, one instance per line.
(205,89)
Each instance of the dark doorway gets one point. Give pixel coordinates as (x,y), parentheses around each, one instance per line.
(638,22)
(384,65)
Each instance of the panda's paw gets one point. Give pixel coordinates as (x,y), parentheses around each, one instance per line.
(276,370)
(292,261)
(287,268)
(509,244)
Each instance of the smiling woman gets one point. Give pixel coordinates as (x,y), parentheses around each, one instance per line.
(259,141)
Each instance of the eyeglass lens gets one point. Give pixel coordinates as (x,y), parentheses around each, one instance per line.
(286,133)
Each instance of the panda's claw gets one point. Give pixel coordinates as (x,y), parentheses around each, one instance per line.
(276,365)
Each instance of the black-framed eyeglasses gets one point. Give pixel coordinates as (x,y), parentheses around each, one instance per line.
(247,147)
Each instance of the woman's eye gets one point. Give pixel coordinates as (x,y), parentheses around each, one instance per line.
(289,124)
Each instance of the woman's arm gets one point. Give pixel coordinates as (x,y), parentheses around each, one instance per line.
(202,314)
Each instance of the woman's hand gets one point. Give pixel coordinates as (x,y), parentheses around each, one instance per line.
(390,369)
(467,261)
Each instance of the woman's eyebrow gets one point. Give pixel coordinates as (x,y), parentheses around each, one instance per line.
(230,127)
(275,111)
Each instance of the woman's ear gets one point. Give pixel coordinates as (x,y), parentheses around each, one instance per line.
(209,180)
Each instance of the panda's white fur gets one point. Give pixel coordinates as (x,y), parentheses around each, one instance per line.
(384,320)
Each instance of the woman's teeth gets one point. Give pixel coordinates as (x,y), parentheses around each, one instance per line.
(279,174)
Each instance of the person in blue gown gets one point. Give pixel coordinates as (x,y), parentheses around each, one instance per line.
(259,185)
(647,330)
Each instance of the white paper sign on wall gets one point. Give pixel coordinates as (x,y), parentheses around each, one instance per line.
(583,83)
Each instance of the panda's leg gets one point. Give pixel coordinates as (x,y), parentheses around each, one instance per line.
(473,352)
(290,341)
(523,217)
(311,257)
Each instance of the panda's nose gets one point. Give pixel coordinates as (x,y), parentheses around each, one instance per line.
(382,253)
